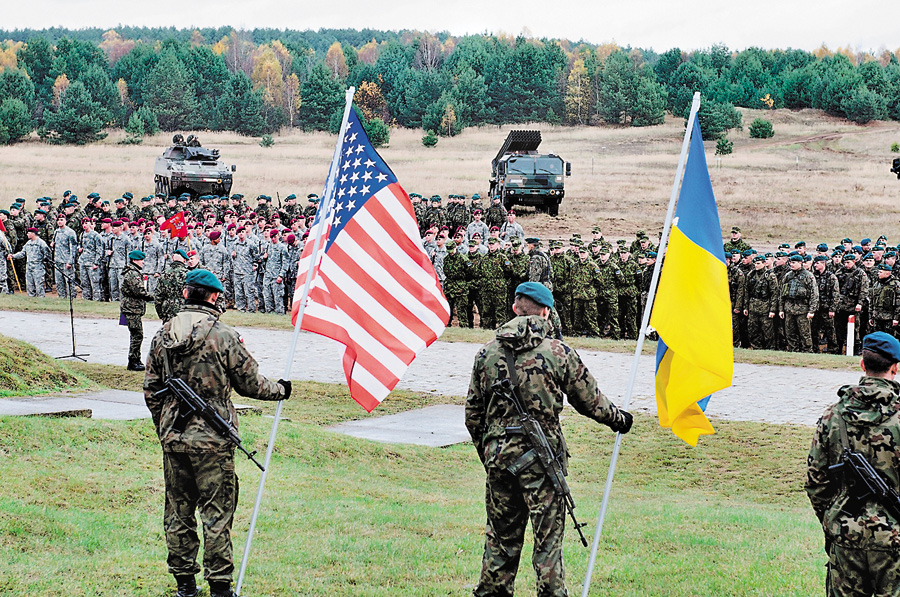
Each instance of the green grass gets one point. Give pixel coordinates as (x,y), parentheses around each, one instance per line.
(26,371)
(81,508)
(451,334)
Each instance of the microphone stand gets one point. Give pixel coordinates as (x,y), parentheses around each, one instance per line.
(71,293)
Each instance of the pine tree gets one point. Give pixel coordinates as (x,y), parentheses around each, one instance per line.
(76,119)
(170,95)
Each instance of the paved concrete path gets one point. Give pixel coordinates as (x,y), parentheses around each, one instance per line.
(760,392)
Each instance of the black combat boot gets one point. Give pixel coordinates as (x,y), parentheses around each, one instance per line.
(187,586)
(221,588)
(135,366)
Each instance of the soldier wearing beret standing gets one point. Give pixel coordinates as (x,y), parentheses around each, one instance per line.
(862,535)
(544,371)
(198,463)
(134,305)
(798,303)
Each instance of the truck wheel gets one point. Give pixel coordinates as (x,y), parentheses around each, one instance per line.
(553,209)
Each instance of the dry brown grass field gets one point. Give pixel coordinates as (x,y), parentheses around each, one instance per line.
(818,179)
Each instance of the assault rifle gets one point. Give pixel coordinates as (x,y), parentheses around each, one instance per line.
(540,451)
(866,481)
(192,404)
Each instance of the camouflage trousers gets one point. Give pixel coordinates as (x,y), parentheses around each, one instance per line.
(584,317)
(115,282)
(245,292)
(34,280)
(206,483)
(492,308)
(628,316)
(510,502)
(885,325)
(4,277)
(473,302)
(797,332)
(65,280)
(861,572)
(608,315)
(272,295)
(823,332)
(761,329)
(735,329)
(136,332)
(562,302)
(458,301)
(91,288)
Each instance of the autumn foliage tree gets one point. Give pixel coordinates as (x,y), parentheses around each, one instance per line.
(336,62)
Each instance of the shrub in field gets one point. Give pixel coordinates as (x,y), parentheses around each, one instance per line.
(266,141)
(895,147)
(134,131)
(430,139)
(761,129)
(379,133)
(724,146)
(15,121)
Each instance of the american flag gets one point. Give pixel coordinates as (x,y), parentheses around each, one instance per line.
(374,288)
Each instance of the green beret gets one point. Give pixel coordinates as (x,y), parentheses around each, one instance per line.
(204,279)
(536,292)
(797,258)
(134,255)
(532,240)
(127,195)
(4,212)
(291,196)
(820,258)
(180,252)
(884,267)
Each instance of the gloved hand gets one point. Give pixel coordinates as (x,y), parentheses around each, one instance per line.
(625,425)
(287,390)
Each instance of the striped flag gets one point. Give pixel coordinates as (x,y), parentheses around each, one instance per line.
(373,287)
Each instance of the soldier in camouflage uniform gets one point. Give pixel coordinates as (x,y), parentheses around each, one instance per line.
(862,538)
(798,303)
(854,286)
(585,276)
(541,270)
(610,280)
(736,243)
(629,294)
(885,301)
(737,288)
(245,257)
(492,269)
(495,214)
(473,298)
(518,273)
(276,257)
(169,300)
(198,463)
(456,285)
(36,252)
(823,322)
(91,251)
(65,249)
(761,305)
(134,299)
(117,252)
(562,264)
(546,372)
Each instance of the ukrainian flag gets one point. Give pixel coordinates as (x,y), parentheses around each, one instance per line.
(692,309)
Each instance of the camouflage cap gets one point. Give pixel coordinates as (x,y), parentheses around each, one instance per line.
(204,279)
(596,230)
(493,241)
(473,243)
(735,229)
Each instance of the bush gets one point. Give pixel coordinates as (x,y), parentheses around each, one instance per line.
(266,141)
(895,147)
(761,129)
(379,133)
(149,120)
(724,146)
(430,139)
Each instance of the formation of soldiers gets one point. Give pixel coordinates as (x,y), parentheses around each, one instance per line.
(803,300)
(74,248)
(792,299)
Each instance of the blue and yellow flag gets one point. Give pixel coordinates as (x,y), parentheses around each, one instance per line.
(692,309)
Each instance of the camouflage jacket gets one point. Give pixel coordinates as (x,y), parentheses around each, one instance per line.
(492,269)
(154,258)
(540,269)
(518,269)
(632,273)
(456,272)
(134,295)
(36,252)
(92,249)
(169,291)
(549,372)
(65,246)
(118,244)
(562,265)
(436,216)
(799,293)
(211,358)
(611,279)
(854,286)
(762,292)
(737,287)
(215,257)
(585,276)
(870,412)
(828,291)
(740,246)
(276,260)
(885,300)
(495,215)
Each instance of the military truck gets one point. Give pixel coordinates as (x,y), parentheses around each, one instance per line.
(187,167)
(522,176)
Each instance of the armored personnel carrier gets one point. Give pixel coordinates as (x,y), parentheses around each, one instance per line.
(186,167)
(521,175)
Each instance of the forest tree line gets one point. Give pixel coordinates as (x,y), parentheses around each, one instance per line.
(72,85)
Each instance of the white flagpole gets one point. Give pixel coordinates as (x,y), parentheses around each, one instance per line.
(645,321)
(326,207)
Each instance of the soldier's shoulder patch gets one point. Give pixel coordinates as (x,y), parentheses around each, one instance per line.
(596,269)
